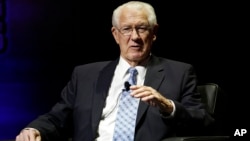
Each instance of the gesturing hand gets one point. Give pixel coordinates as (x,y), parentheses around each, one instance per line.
(152,97)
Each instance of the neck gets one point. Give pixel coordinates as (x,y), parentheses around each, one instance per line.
(143,62)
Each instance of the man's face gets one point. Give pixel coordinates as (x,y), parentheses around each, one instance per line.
(134,35)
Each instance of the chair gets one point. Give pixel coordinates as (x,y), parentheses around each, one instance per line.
(216,103)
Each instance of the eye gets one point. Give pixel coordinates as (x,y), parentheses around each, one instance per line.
(126,29)
(142,29)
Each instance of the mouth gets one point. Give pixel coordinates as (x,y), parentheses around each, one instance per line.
(135,46)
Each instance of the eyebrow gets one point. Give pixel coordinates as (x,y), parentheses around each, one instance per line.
(141,24)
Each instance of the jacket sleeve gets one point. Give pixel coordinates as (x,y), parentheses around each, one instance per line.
(57,123)
(191,116)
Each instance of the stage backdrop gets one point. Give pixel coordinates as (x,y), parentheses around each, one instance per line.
(46,39)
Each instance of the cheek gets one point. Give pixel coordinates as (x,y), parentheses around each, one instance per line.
(123,48)
(117,37)
(123,43)
(147,44)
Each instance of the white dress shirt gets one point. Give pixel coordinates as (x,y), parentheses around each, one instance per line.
(107,123)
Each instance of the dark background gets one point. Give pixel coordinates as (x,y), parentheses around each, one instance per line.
(46,39)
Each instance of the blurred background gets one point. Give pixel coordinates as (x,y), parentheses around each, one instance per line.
(42,41)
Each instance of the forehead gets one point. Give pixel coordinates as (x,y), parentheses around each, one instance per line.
(133,16)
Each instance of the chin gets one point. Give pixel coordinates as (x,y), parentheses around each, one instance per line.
(135,57)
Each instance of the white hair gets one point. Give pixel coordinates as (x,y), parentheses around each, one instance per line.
(136,5)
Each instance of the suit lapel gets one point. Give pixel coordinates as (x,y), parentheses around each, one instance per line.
(154,77)
(100,93)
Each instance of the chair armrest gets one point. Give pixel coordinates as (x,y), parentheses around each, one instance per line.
(198,138)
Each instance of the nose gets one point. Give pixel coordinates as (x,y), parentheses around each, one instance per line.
(135,34)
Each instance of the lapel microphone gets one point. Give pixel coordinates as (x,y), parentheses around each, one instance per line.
(127,85)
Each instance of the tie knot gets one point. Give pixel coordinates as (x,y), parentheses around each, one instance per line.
(133,71)
(132,79)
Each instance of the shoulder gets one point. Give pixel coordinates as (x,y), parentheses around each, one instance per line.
(175,69)
(170,63)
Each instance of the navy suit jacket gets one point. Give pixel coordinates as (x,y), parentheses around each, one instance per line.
(82,100)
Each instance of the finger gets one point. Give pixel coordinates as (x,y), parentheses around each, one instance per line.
(141,94)
(29,134)
(147,98)
(32,135)
(21,136)
(38,138)
(26,135)
(140,89)
(134,87)
(137,89)
(18,138)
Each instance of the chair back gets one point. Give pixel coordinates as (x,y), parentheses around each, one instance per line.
(209,93)
(215,100)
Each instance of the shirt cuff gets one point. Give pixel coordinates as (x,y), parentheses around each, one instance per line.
(167,115)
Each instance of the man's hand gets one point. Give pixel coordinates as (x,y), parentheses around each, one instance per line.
(152,97)
(29,134)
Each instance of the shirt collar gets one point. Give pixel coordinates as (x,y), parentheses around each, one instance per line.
(123,66)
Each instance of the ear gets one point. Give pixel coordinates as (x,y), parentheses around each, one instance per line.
(154,37)
(115,34)
(155,30)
